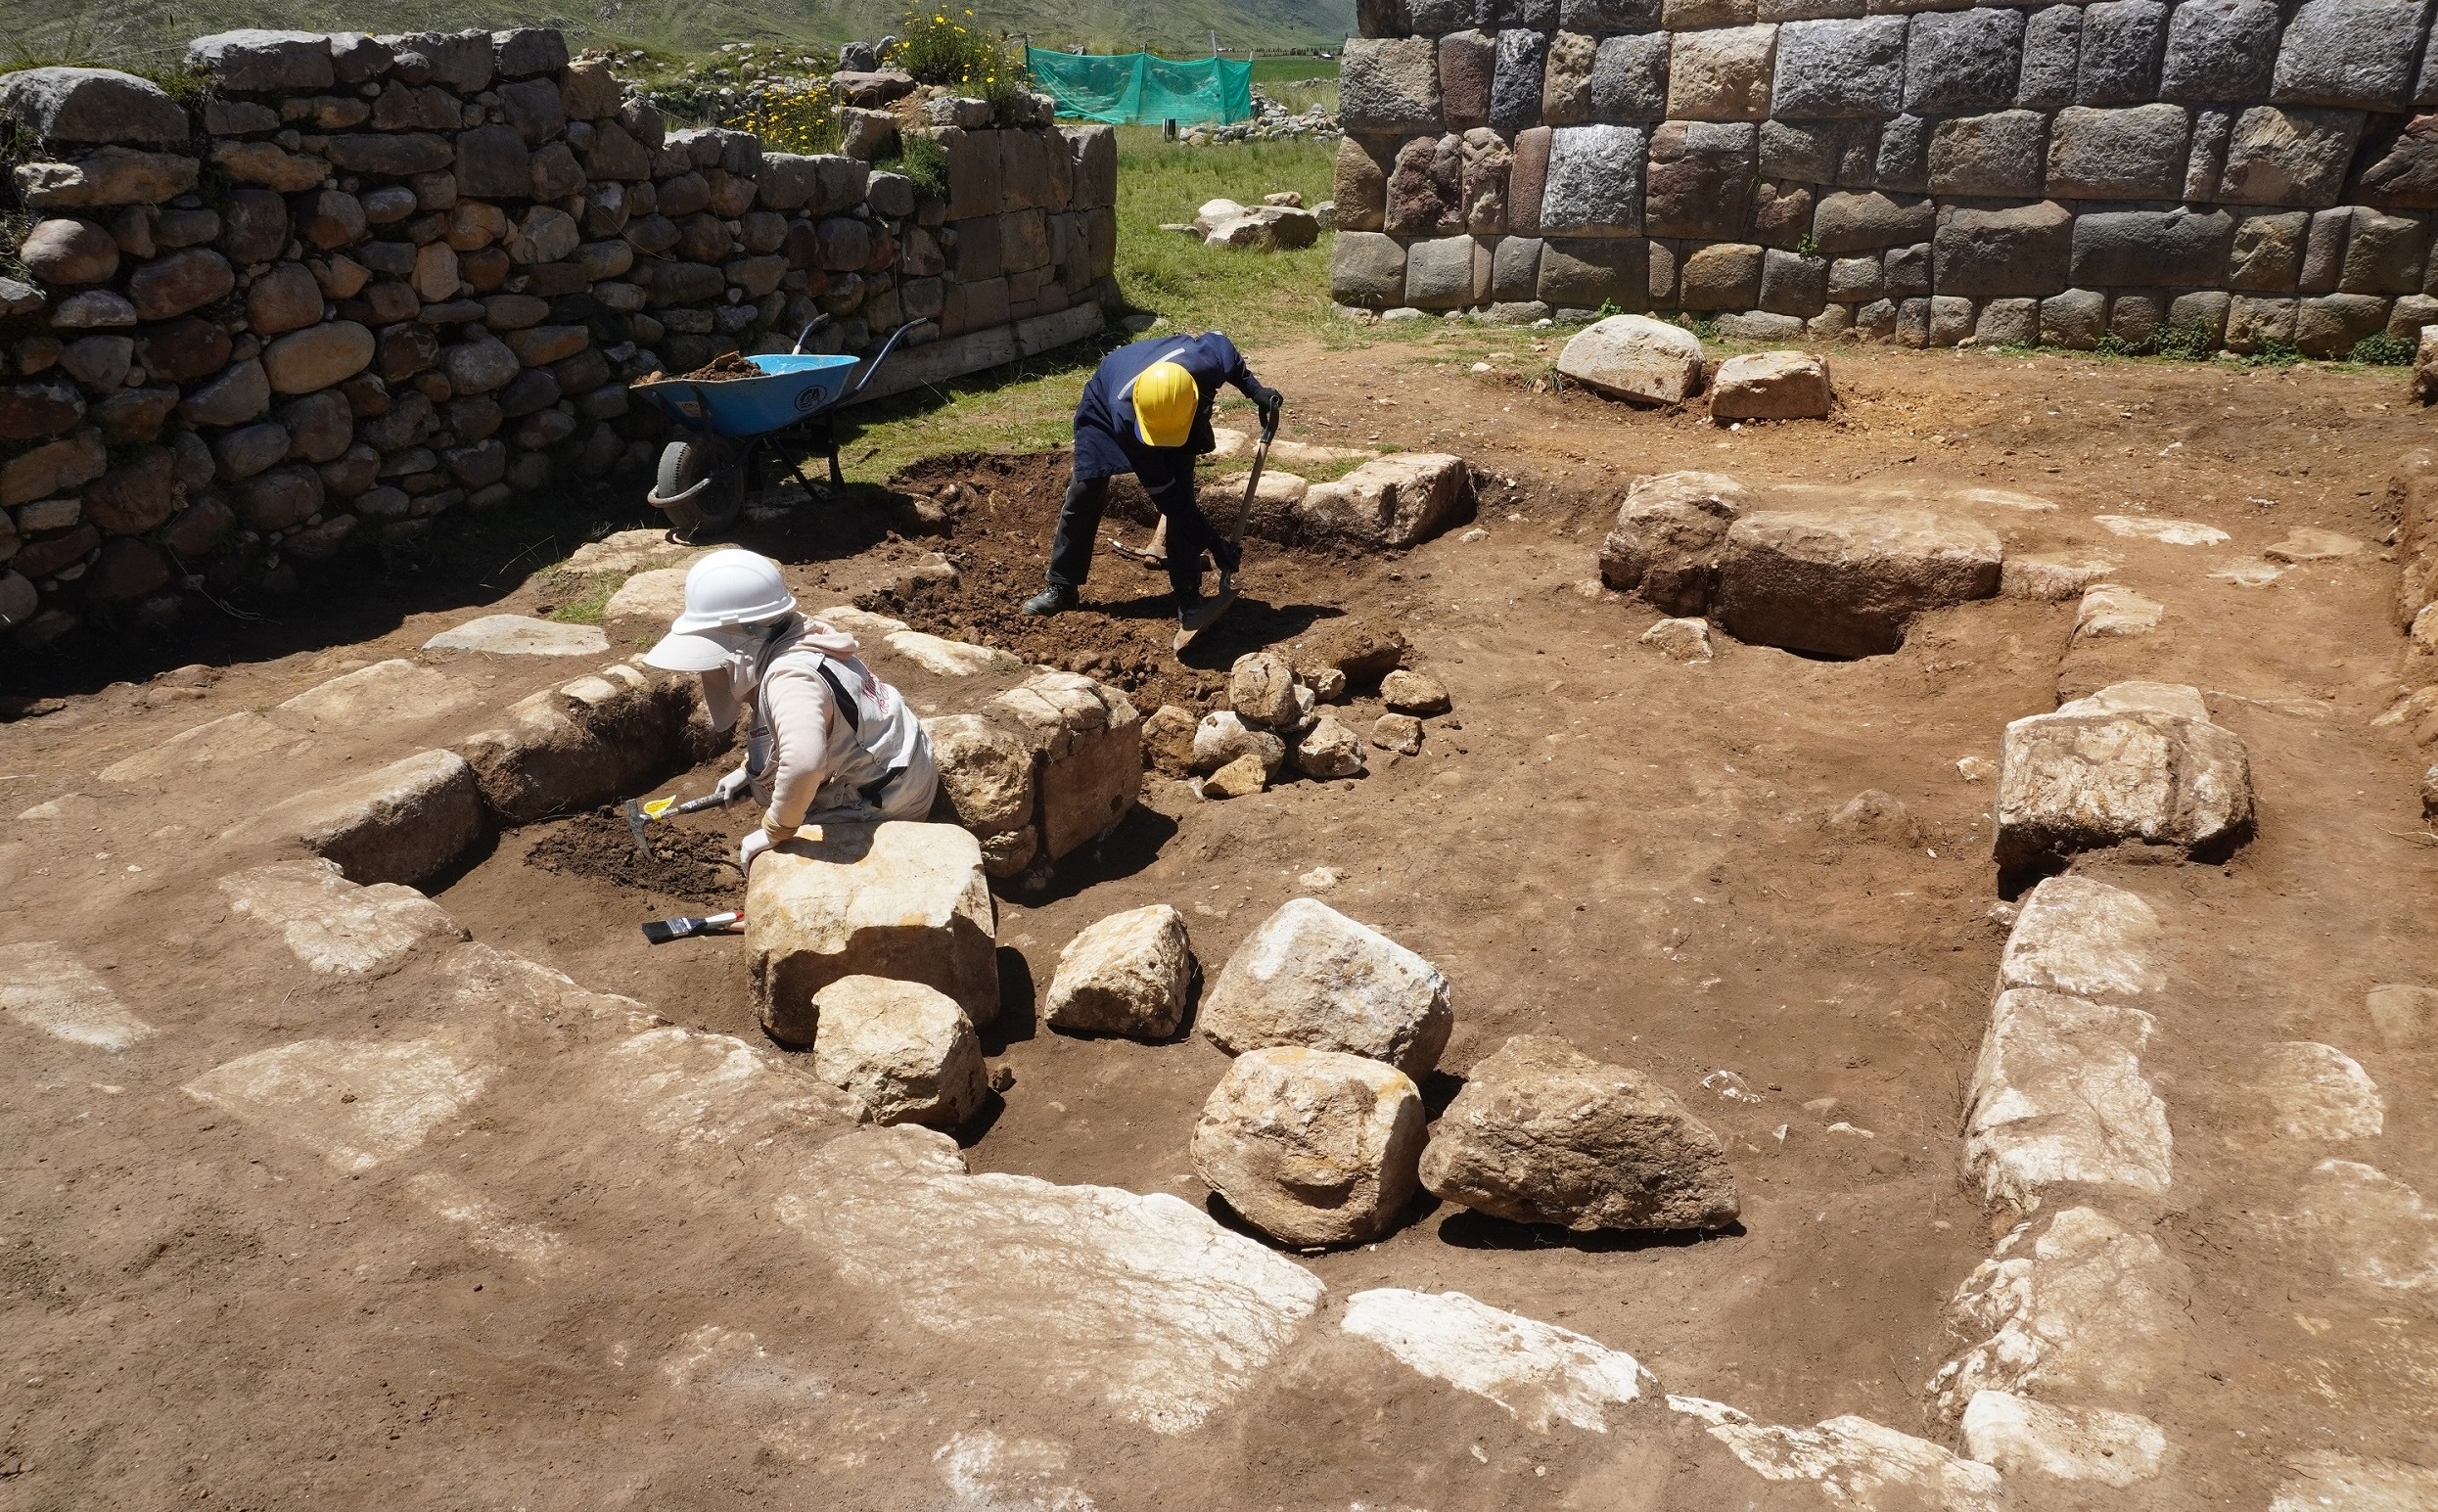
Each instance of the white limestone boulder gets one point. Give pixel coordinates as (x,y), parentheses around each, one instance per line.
(1088,742)
(45,986)
(1634,357)
(1670,529)
(1222,737)
(1545,1134)
(2083,938)
(1260,690)
(908,1052)
(335,927)
(1312,1147)
(988,785)
(599,738)
(404,822)
(2316,1091)
(1329,751)
(2074,1308)
(1128,974)
(1311,976)
(2058,1100)
(1388,503)
(1848,582)
(2033,1440)
(521,635)
(2146,766)
(1540,1373)
(901,900)
(1770,386)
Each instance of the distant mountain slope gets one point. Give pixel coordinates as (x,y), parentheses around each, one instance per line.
(144,32)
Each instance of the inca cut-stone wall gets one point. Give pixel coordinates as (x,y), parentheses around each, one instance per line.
(2244,172)
(367,282)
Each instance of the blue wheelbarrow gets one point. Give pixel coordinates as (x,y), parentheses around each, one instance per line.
(731,427)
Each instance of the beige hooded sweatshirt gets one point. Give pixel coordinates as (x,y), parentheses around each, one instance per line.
(809,763)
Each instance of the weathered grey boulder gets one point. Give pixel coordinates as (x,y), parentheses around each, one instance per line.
(2220,51)
(1634,357)
(1957,63)
(2119,59)
(2133,762)
(906,901)
(1440,273)
(2000,154)
(1311,976)
(1594,183)
(2350,53)
(109,176)
(2132,154)
(258,61)
(1665,541)
(1389,85)
(2017,253)
(1588,272)
(1721,74)
(335,927)
(906,1051)
(2151,248)
(1545,1134)
(1770,386)
(92,105)
(1128,974)
(1833,69)
(987,784)
(1516,79)
(1366,268)
(404,822)
(2284,157)
(1312,1147)
(1867,220)
(1700,180)
(1630,79)
(1848,582)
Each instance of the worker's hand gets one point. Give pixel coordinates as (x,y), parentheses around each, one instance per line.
(1271,402)
(733,785)
(754,843)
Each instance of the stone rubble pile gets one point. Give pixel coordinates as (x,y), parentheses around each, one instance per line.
(1271,122)
(1278,223)
(2234,174)
(369,282)
(1647,361)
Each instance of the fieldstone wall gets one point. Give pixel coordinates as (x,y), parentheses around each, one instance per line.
(2238,172)
(365,283)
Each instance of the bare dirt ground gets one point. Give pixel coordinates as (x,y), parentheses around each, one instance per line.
(1599,843)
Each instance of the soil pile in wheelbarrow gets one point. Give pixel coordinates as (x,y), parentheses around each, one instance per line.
(723,368)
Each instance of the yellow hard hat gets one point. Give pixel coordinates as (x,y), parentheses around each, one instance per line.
(1165,398)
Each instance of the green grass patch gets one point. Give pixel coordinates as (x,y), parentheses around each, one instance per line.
(581,598)
(1281,71)
(1252,295)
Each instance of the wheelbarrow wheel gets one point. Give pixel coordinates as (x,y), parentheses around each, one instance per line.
(683,465)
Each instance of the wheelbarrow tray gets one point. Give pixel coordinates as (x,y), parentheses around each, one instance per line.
(796,388)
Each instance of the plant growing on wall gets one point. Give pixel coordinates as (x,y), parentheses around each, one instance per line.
(797,115)
(946,48)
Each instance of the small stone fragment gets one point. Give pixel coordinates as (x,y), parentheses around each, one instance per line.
(1242,777)
(1400,733)
(1414,693)
(1679,640)
(1127,975)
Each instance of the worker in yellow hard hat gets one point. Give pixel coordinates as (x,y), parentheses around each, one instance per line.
(1147,411)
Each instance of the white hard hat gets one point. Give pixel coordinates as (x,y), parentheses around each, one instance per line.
(726,592)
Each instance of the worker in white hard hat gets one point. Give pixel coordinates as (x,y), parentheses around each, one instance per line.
(1147,411)
(825,741)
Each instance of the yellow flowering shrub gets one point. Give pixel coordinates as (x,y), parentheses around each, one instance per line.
(797,117)
(945,47)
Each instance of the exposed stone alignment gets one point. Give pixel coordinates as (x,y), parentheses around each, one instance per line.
(2238,172)
(423,286)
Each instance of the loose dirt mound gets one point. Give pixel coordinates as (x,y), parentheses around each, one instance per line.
(1006,512)
(688,864)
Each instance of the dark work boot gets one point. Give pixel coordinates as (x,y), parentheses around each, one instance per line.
(1055,599)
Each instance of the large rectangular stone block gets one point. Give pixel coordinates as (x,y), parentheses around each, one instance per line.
(2350,53)
(1792,284)
(1585,273)
(1566,80)
(1594,183)
(2384,254)
(1389,85)
(1848,582)
(1998,155)
(1630,79)
(1604,17)
(1439,273)
(1722,276)
(2329,325)
(1366,269)
(2253,322)
(2135,154)
(1998,254)
(2289,156)
(1089,739)
(1700,180)
(904,902)
(1958,62)
(1515,269)
(1527,181)
(1517,15)
(2267,253)
(2220,51)
(2152,249)
(567,748)
(2122,42)
(1436,18)
(405,823)
(2206,163)
(1866,222)
(1467,61)
(1360,187)
(1808,152)
(2052,55)
(1723,74)
(1903,160)
(1515,82)
(1840,70)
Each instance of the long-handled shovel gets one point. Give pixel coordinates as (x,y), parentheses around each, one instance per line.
(1206,612)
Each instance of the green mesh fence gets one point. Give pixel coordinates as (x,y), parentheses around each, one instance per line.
(1134,88)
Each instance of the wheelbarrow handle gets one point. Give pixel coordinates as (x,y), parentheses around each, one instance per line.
(874,366)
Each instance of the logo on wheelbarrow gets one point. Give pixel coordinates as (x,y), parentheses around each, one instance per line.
(808,399)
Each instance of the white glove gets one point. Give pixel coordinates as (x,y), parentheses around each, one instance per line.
(756,842)
(733,785)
